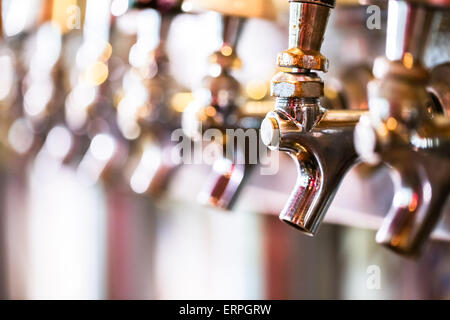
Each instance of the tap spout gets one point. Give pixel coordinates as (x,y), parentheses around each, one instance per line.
(323,154)
(225,183)
(420,191)
(419,198)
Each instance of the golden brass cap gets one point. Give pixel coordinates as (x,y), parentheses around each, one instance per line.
(303,59)
(292,85)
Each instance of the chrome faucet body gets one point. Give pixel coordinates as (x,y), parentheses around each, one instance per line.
(405,131)
(222,112)
(319,140)
(157,119)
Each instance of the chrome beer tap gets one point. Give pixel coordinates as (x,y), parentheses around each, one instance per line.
(220,109)
(35,76)
(318,140)
(89,106)
(145,115)
(226,176)
(406,129)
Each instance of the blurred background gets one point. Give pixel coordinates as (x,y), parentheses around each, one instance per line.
(91,206)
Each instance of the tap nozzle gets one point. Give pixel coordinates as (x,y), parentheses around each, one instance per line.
(224,183)
(420,191)
(323,152)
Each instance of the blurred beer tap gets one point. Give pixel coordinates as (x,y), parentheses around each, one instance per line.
(320,141)
(219,104)
(91,67)
(8,86)
(349,89)
(407,129)
(355,45)
(220,110)
(48,83)
(89,106)
(16,131)
(355,48)
(40,85)
(144,112)
(45,83)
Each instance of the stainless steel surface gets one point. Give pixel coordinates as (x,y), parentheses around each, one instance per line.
(222,111)
(307,25)
(405,131)
(408,31)
(323,152)
(151,165)
(319,141)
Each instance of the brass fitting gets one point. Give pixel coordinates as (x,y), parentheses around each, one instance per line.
(291,85)
(303,59)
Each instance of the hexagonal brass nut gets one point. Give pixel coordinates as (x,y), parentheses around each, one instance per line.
(291,85)
(297,58)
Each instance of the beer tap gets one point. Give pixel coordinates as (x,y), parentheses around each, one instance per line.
(8,85)
(218,104)
(89,107)
(144,112)
(35,74)
(318,140)
(41,83)
(406,129)
(346,82)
